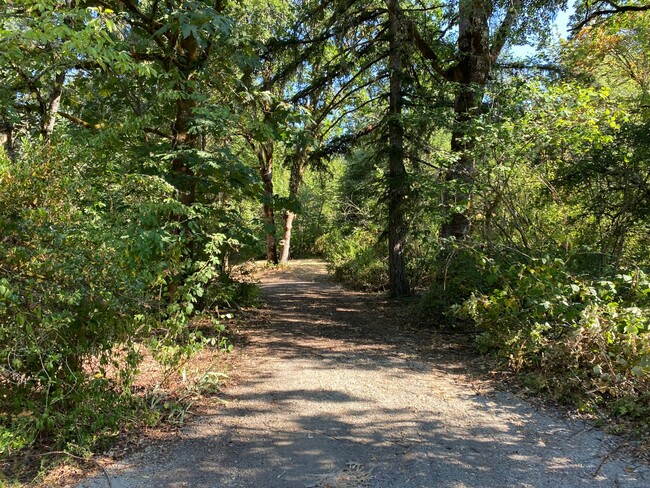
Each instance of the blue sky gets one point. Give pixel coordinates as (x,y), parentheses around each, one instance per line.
(560,28)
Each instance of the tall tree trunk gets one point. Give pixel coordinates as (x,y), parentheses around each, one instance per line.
(477,51)
(295,182)
(192,57)
(182,138)
(265,160)
(182,174)
(397,176)
(471,74)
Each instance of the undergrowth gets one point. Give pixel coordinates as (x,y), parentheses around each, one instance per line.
(88,417)
(356,259)
(96,275)
(580,339)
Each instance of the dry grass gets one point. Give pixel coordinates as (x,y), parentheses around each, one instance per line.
(178,396)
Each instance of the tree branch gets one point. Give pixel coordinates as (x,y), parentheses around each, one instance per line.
(95,127)
(158,132)
(427,51)
(504,30)
(604,12)
(348,112)
(541,67)
(81,122)
(341,144)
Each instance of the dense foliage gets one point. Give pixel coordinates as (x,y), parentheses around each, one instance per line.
(580,338)
(553,269)
(116,183)
(147,148)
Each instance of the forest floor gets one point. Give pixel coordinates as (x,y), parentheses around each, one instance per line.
(331,391)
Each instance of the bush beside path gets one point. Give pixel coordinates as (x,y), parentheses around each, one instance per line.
(333,394)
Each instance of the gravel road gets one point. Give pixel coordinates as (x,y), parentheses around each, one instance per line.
(333,396)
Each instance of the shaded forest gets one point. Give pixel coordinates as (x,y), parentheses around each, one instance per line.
(150,148)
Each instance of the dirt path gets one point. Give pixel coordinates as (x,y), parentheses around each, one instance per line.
(333,398)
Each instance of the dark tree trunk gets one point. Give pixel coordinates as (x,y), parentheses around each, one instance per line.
(190,59)
(397,176)
(477,53)
(471,74)
(265,159)
(181,171)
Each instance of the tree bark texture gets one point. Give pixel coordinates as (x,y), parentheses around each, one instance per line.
(397,176)
(7,140)
(265,160)
(471,74)
(295,182)
(477,50)
(190,58)
(48,118)
(289,217)
(182,138)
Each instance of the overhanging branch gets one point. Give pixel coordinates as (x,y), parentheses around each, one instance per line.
(613,9)
(95,127)
(81,122)
(540,67)
(427,51)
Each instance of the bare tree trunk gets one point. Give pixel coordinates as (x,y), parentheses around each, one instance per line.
(49,118)
(289,217)
(397,176)
(295,182)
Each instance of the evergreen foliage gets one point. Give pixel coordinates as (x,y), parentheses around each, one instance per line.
(147,147)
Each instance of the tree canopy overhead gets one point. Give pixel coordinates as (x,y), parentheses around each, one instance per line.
(150,147)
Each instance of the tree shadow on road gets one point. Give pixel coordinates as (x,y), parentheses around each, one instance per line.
(339,395)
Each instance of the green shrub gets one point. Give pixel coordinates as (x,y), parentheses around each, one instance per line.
(582,339)
(355,259)
(85,266)
(224,291)
(69,295)
(464,272)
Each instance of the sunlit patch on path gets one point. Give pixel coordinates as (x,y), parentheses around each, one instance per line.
(334,397)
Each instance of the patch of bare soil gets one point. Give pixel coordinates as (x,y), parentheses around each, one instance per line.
(331,391)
